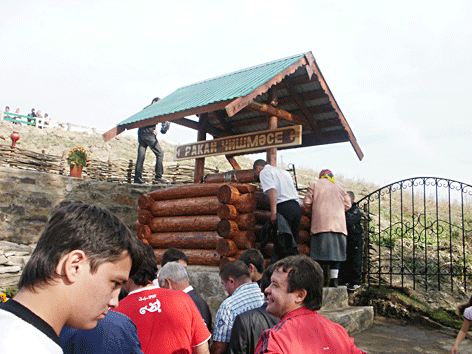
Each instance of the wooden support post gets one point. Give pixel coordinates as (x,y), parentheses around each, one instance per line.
(272,152)
(233,162)
(273,121)
(200,162)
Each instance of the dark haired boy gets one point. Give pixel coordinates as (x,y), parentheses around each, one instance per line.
(83,257)
(255,262)
(168,321)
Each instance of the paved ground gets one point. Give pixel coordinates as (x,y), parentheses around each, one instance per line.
(390,336)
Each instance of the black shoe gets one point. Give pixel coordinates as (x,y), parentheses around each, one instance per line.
(161,180)
(333,283)
(139,181)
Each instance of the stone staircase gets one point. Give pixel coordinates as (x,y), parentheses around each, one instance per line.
(336,308)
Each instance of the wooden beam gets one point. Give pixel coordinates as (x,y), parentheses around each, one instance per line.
(200,162)
(305,96)
(303,108)
(185,122)
(272,152)
(241,102)
(171,117)
(113,132)
(279,113)
(273,122)
(222,118)
(233,162)
(311,60)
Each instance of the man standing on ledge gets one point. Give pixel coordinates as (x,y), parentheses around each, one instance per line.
(294,295)
(147,137)
(283,198)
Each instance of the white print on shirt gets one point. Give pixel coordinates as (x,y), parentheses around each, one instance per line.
(147,298)
(153,307)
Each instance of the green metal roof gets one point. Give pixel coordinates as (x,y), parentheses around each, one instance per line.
(221,88)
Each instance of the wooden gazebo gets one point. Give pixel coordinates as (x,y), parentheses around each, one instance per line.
(282,104)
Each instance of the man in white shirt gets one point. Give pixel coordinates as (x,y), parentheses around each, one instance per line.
(283,198)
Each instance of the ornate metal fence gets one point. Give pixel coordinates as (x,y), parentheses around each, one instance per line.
(419,233)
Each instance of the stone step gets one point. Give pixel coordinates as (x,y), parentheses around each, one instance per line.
(353,318)
(334,298)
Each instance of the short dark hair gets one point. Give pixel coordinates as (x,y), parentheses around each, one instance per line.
(304,273)
(253,256)
(173,255)
(235,269)
(265,280)
(259,162)
(351,194)
(148,271)
(79,226)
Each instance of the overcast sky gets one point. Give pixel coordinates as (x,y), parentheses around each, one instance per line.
(401,71)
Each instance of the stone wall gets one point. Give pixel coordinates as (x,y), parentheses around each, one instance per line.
(28,198)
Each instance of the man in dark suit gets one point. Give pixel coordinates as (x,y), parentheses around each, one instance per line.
(174,276)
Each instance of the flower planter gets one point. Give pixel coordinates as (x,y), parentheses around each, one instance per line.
(76,171)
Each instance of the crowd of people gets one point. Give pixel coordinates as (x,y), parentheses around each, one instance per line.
(85,256)
(32,118)
(91,286)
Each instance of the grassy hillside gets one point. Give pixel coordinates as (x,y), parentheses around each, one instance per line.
(55,141)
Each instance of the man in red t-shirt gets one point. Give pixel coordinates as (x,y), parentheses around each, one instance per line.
(168,321)
(294,295)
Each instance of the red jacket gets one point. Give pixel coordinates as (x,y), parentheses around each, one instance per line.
(305,331)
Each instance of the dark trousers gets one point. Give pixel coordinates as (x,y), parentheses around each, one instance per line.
(292,212)
(351,269)
(144,142)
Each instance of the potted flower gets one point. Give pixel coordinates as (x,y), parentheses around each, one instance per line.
(77,159)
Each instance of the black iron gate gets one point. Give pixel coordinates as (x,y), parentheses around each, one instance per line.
(419,233)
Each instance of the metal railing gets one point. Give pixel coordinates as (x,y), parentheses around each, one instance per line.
(419,233)
(42,123)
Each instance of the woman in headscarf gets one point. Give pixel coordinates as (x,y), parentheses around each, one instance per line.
(328,201)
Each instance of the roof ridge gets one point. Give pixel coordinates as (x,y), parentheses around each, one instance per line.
(246,69)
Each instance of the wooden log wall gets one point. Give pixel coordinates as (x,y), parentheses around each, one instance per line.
(186,217)
(213,223)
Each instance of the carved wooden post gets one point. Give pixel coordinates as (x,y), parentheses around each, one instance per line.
(273,120)
(200,162)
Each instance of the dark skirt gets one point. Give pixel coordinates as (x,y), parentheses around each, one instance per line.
(328,246)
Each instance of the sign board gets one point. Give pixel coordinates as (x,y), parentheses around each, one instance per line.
(239,144)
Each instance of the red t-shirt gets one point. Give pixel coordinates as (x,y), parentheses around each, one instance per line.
(305,331)
(167,320)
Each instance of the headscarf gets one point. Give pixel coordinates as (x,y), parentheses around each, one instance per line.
(327,174)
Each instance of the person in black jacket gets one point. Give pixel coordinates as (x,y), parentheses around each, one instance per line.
(147,136)
(249,325)
(352,272)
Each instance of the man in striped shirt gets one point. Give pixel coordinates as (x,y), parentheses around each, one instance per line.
(244,295)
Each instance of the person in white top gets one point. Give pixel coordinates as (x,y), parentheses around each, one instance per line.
(75,273)
(466,311)
(283,197)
